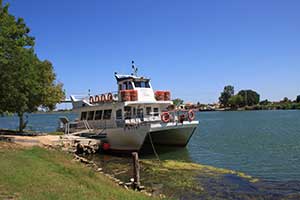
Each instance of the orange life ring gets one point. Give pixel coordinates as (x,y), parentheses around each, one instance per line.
(165,117)
(191,115)
(109,97)
(92,99)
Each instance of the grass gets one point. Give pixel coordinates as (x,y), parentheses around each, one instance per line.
(37,173)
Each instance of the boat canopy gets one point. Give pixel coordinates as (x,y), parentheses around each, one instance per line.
(121,77)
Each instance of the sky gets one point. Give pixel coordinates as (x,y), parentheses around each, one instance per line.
(192,48)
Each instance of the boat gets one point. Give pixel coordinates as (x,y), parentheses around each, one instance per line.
(132,116)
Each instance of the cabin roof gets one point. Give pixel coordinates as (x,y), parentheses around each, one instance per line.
(121,77)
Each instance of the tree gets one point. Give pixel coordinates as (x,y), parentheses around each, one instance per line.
(177,101)
(235,101)
(226,94)
(286,100)
(298,99)
(265,102)
(26,82)
(250,97)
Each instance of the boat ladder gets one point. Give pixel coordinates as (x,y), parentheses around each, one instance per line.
(87,126)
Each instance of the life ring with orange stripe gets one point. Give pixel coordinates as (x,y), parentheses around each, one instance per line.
(97,99)
(92,99)
(165,117)
(191,115)
(103,98)
(109,97)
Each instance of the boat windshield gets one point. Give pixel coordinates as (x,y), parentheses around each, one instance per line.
(126,86)
(141,84)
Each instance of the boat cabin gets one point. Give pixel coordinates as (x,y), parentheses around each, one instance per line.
(135,102)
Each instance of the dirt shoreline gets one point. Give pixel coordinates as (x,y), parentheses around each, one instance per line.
(29,141)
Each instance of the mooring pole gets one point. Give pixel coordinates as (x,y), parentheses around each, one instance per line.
(136,169)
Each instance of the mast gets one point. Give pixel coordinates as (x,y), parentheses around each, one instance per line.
(134,68)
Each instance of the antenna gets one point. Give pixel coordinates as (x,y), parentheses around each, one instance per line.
(134,69)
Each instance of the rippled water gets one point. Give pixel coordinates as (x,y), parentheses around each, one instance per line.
(264,144)
(37,122)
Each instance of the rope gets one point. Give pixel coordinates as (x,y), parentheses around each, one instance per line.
(153,147)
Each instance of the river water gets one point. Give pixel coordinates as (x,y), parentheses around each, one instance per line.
(263,144)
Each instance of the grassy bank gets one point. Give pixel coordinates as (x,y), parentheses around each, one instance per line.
(37,173)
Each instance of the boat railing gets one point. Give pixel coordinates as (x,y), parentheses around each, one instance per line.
(175,116)
(179,115)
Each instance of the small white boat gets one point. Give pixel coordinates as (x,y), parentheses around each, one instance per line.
(132,116)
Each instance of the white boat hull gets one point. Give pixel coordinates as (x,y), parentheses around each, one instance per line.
(133,138)
(177,135)
(127,139)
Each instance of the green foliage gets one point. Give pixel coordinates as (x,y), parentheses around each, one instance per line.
(177,101)
(250,97)
(286,100)
(265,102)
(226,94)
(236,101)
(26,82)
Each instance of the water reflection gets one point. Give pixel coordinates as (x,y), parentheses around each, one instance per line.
(165,153)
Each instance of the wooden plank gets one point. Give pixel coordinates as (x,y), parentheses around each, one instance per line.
(136,169)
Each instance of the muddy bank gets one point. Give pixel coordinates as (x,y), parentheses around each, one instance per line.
(186,180)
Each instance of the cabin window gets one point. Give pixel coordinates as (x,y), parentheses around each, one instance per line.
(126,86)
(83,116)
(91,115)
(123,86)
(119,114)
(134,111)
(140,113)
(148,110)
(98,115)
(107,114)
(142,84)
(137,84)
(129,86)
(127,112)
(155,110)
